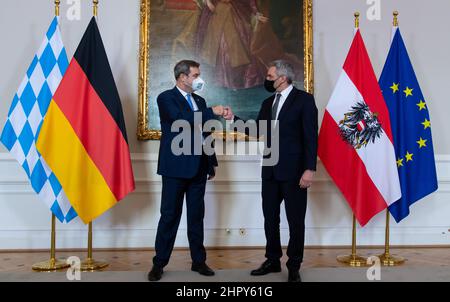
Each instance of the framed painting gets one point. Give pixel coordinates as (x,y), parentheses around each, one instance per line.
(233,40)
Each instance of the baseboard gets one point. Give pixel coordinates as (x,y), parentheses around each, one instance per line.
(144,239)
(229,248)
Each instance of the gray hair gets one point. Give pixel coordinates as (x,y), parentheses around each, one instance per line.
(184,67)
(284,68)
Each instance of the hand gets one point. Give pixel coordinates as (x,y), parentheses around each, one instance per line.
(211,177)
(228,113)
(307,179)
(218,110)
(211,6)
(261,18)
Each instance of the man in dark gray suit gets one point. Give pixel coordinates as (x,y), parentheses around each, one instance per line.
(293,115)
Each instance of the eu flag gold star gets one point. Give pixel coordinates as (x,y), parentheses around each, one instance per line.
(426,124)
(409,156)
(400,162)
(394,87)
(408,91)
(422,105)
(422,143)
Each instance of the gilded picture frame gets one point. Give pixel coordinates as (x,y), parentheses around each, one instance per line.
(144,129)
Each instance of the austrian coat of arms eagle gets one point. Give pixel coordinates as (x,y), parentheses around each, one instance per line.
(360,126)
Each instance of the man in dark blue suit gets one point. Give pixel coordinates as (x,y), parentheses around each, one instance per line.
(183,173)
(291,115)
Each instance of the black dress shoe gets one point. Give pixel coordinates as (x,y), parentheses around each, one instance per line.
(267,267)
(294,276)
(202,269)
(155,274)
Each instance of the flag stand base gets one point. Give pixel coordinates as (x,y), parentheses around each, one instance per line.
(91,265)
(353,260)
(50,265)
(390,260)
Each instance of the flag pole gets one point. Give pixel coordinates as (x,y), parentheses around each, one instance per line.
(395,22)
(53,264)
(357,20)
(386,258)
(89,264)
(353,260)
(57,3)
(95,7)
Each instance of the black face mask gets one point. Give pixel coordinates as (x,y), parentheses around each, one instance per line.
(269,85)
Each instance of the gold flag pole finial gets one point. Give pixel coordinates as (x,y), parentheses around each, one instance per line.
(95,7)
(395,18)
(357,19)
(57,3)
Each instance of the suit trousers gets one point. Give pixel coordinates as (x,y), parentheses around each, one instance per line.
(173,192)
(295,199)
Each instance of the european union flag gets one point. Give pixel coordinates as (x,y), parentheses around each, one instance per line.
(411,128)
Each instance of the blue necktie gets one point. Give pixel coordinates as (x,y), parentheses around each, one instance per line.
(188,96)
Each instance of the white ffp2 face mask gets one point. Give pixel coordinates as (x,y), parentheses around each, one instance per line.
(198,84)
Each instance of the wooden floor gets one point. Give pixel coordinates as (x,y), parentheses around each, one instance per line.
(140,260)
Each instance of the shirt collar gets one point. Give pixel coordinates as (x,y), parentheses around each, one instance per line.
(184,93)
(285,93)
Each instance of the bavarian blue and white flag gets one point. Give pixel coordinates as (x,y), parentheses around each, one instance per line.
(26,115)
(411,128)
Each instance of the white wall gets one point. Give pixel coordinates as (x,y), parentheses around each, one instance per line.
(233,200)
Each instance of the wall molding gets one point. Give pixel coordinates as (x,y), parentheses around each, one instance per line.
(153,157)
(147,186)
(145,238)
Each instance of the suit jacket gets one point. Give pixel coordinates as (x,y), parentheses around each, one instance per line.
(172,107)
(298,128)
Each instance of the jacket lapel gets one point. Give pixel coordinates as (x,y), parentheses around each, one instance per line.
(272,100)
(184,106)
(289,101)
(195,99)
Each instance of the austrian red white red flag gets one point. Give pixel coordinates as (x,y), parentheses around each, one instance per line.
(355,140)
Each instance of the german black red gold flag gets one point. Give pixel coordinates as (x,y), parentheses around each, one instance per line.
(83,137)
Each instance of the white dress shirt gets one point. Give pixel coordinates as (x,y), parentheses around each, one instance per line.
(184,93)
(284,95)
(194,104)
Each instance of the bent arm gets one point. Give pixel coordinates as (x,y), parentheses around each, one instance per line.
(170,111)
(259,118)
